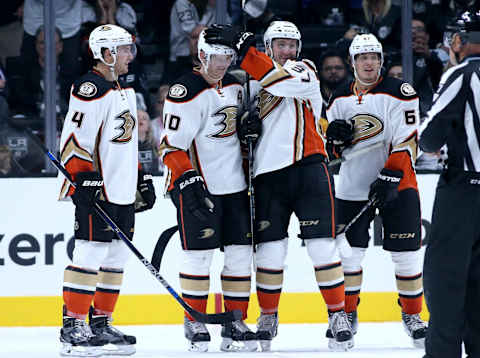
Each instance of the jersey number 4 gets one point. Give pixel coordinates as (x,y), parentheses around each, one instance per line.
(78,118)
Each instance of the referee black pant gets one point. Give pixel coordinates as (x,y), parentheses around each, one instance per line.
(452,268)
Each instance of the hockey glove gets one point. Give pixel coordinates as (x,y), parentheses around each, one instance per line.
(230,36)
(384,190)
(145,198)
(249,127)
(340,132)
(87,187)
(193,194)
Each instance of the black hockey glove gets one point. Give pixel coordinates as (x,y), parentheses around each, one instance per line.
(87,187)
(194,195)
(145,198)
(249,127)
(340,132)
(384,190)
(230,36)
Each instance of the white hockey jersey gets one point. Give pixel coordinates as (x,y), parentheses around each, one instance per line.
(100,133)
(290,106)
(388,113)
(200,120)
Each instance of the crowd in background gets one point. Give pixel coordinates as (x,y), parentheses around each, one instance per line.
(166,34)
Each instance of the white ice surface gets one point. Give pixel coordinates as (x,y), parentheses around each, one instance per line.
(293,341)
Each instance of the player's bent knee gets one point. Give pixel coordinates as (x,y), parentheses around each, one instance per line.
(197,262)
(322,251)
(89,254)
(118,255)
(271,254)
(354,262)
(407,263)
(237,260)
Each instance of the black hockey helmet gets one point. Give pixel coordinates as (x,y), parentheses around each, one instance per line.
(467,26)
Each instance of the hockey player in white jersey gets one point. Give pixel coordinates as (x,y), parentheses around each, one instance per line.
(207,184)
(291,175)
(368,110)
(99,148)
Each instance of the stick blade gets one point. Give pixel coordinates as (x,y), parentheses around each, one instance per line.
(217,318)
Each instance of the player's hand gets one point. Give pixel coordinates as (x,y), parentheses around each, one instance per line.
(249,127)
(230,36)
(193,194)
(340,132)
(384,190)
(87,187)
(145,198)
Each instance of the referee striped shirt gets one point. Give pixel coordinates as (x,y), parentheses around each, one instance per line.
(454,117)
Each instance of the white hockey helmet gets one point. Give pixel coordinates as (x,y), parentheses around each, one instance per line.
(281,30)
(110,37)
(212,49)
(365,43)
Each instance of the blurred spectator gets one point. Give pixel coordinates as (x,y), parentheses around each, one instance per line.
(380,18)
(395,70)
(325,12)
(5,161)
(147,147)
(27,84)
(69,16)
(157,122)
(428,67)
(136,79)
(11,29)
(333,71)
(113,12)
(187,19)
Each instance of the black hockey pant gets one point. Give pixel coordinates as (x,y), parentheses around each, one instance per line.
(452,268)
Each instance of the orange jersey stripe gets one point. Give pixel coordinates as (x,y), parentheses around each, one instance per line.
(257,63)
(178,162)
(402,161)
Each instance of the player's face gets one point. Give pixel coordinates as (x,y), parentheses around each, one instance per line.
(125,55)
(367,66)
(218,65)
(284,50)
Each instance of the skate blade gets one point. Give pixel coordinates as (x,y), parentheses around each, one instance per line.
(419,343)
(118,349)
(198,347)
(68,350)
(265,345)
(229,345)
(340,346)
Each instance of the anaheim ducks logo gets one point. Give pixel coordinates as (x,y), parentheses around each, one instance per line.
(228,122)
(126,127)
(366,126)
(267,103)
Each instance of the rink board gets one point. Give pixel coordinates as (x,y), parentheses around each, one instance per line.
(36,233)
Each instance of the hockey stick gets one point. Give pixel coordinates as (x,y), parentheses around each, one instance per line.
(161,245)
(341,241)
(356,153)
(198,316)
(251,190)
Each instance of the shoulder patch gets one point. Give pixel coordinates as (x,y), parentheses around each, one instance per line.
(407,89)
(177,91)
(87,89)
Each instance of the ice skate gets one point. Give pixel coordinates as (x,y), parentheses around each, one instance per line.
(197,335)
(78,340)
(116,342)
(339,332)
(267,328)
(353,320)
(237,337)
(415,328)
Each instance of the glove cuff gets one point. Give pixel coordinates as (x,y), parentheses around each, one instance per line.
(390,175)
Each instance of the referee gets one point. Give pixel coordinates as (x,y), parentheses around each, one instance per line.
(452,258)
